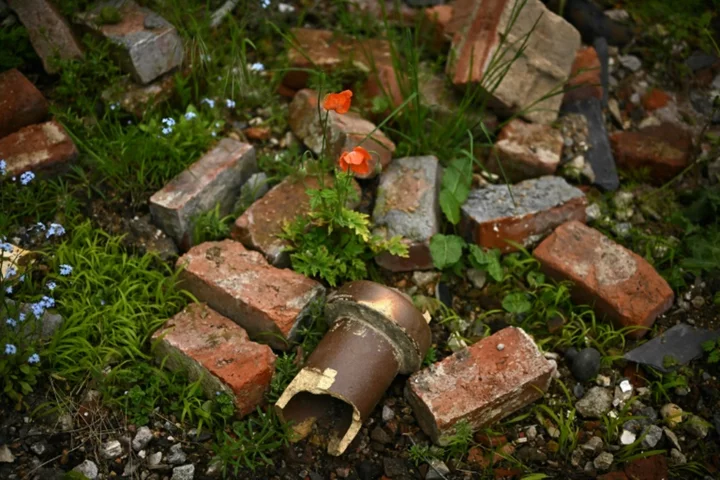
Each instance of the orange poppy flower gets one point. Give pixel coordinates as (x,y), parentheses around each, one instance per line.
(358,161)
(340,102)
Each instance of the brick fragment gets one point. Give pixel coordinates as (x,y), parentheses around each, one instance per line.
(215,179)
(407,205)
(50,34)
(618,283)
(527,150)
(147,44)
(655,99)
(344,132)
(21,104)
(41,147)
(478,27)
(490,217)
(664,149)
(270,303)
(439,20)
(207,345)
(482,384)
(584,81)
(137,99)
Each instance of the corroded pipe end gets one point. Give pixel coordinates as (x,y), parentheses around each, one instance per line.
(388,311)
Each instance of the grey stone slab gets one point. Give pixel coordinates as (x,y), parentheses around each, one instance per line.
(600,153)
(677,346)
(215,179)
(147,44)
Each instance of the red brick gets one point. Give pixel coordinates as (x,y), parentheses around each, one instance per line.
(664,149)
(527,150)
(481,384)
(655,99)
(270,303)
(478,26)
(137,99)
(613,476)
(41,147)
(212,181)
(491,217)
(344,132)
(439,20)
(584,81)
(50,34)
(207,345)
(618,283)
(21,104)
(650,468)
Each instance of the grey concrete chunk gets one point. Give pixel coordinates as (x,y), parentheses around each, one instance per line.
(492,216)
(599,154)
(148,45)
(49,32)
(215,179)
(676,347)
(407,205)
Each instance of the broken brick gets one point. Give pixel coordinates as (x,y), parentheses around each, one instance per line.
(655,99)
(439,19)
(41,147)
(269,303)
(482,39)
(50,34)
(663,149)
(213,349)
(584,81)
(137,99)
(21,103)
(213,181)
(616,282)
(491,216)
(526,150)
(344,132)
(407,205)
(481,384)
(147,45)
(654,467)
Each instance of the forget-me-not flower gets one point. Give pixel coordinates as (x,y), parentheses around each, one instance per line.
(51,285)
(190,115)
(257,67)
(34,358)
(10,272)
(210,102)
(37,309)
(10,349)
(9,290)
(65,270)
(21,317)
(47,302)
(230,103)
(3,167)
(26,177)
(11,322)
(6,247)
(55,230)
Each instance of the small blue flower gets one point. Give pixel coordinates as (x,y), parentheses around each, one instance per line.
(51,285)
(102,302)
(37,309)
(205,58)
(209,102)
(26,177)
(265,3)
(6,247)
(40,225)
(213,134)
(65,270)
(9,290)
(47,302)
(3,167)
(21,317)
(167,131)
(257,67)
(230,103)
(10,349)
(11,272)
(169,122)
(114,106)
(34,358)
(190,115)
(11,322)
(22,278)
(55,230)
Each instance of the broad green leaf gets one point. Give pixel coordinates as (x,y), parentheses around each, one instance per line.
(516,302)
(446,250)
(450,206)
(455,188)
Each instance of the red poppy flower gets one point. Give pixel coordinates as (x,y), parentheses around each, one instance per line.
(358,161)
(340,102)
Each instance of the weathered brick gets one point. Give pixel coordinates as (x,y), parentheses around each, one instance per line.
(208,346)
(490,217)
(584,81)
(50,33)
(527,150)
(344,132)
(136,99)
(270,303)
(664,150)
(439,19)
(215,179)
(21,104)
(481,384)
(618,283)
(407,205)
(147,44)
(41,147)
(479,26)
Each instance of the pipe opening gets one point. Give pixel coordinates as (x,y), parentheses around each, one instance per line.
(323,415)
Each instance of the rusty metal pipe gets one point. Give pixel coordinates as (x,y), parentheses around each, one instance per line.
(376,332)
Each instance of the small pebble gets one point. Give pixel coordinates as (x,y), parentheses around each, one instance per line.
(501,346)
